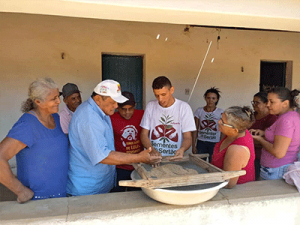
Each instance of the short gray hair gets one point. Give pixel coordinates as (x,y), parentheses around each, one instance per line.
(240,117)
(38,89)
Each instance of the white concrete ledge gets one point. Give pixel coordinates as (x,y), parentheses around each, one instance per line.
(262,202)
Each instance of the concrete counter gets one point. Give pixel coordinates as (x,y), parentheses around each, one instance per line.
(261,202)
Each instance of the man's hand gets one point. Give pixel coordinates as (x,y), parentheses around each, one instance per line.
(149,158)
(194,150)
(178,155)
(154,152)
(25,195)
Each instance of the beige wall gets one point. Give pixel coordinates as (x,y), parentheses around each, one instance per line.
(31,47)
(263,14)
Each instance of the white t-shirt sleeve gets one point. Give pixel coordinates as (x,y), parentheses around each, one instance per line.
(187,118)
(197,112)
(146,120)
(221,110)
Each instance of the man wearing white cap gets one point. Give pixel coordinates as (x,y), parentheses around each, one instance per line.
(92,151)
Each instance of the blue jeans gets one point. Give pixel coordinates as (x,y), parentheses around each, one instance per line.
(257,168)
(206,147)
(267,173)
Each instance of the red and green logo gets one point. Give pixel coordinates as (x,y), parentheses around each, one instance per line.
(165,131)
(208,124)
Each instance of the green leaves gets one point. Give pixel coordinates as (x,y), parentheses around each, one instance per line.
(166,120)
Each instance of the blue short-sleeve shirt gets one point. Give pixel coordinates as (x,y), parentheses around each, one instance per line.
(91,141)
(42,165)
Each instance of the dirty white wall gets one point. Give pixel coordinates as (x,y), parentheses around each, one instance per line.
(31,47)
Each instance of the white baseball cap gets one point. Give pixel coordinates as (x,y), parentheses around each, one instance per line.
(112,89)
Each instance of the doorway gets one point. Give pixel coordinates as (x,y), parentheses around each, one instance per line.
(128,71)
(274,74)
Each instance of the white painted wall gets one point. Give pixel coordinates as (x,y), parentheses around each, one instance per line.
(31,47)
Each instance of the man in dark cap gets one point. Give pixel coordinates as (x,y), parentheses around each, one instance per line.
(127,130)
(72,98)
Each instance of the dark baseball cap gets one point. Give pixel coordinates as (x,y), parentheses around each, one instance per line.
(69,89)
(130,101)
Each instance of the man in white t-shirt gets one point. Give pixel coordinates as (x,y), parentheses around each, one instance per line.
(168,122)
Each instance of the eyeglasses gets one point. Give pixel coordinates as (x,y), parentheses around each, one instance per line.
(255,103)
(226,125)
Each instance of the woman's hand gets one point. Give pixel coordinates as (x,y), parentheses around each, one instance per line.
(257,132)
(25,195)
(257,135)
(9,147)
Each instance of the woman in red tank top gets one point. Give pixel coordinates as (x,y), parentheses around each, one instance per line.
(236,150)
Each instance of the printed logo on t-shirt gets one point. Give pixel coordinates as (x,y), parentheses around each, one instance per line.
(129,134)
(164,137)
(208,127)
(208,124)
(165,131)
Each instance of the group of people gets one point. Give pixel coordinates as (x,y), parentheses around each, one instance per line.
(88,147)
(228,137)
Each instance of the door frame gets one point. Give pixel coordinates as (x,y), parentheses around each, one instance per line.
(288,70)
(129,54)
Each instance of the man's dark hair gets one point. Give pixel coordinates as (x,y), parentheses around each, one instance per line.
(160,82)
(94,94)
(103,97)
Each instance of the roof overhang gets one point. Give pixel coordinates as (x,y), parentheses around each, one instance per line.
(249,14)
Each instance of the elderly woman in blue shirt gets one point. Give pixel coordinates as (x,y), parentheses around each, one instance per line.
(40,146)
